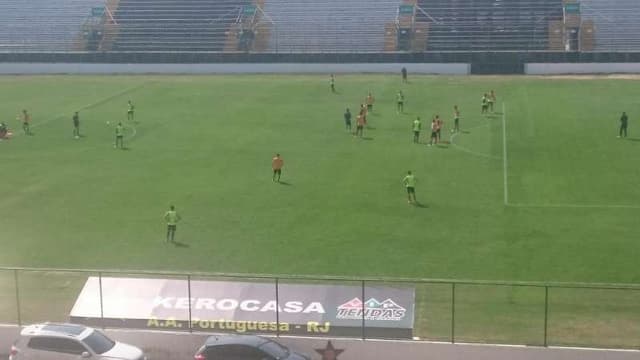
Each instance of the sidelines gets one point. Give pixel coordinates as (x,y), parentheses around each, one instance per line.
(504,155)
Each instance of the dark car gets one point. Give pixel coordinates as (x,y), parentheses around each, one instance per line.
(245,347)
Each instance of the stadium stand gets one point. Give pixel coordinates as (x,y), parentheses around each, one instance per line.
(329,25)
(488,24)
(43,25)
(176,25)
(615,23)
(304,26)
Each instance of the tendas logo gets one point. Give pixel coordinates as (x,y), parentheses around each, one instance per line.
(386,310)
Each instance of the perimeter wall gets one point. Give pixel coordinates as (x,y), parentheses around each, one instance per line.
(431,62)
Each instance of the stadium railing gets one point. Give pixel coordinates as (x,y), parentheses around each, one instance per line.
(456,311)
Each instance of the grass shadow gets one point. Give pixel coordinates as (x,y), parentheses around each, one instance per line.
(366,138)
(632,139)
(285,183)
(420,205)
(179,244)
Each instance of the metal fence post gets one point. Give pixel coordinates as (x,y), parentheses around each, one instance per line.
(189,294)
(453,313)
(277,309)
(15,278)
(101,300)
(364,308)
(546,313)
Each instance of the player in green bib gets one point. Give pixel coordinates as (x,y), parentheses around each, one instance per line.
(456,119)
(400,102)
(409,182)
(417,125)
(130,108)
(119,136)
(172,219)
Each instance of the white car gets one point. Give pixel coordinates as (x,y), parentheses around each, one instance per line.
(69,341)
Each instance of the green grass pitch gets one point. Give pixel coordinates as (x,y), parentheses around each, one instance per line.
(569,212)
(205,143)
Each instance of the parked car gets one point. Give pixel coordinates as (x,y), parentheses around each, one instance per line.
(245,347)
(69,341)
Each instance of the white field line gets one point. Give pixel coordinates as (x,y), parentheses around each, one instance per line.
(134,132)
(551,205)
(504,155)
(577,206)
(85,107)
(464,149)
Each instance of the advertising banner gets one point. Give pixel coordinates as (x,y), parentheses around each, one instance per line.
(247,307)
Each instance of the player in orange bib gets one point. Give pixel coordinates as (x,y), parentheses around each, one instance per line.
(434,132)
(276,164)
(4,131)
(26,120)
(360,122)
(364,112)
(370,100)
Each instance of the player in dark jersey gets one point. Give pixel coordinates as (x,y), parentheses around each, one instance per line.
(347,119)
(76,125)
(624,122)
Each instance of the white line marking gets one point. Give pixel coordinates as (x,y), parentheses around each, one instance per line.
(135,132)
(504,154)
(467,150)
(88,106)
(577,206)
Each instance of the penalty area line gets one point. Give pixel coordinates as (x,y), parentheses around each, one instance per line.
(469,151)
(576,206)
(505,178)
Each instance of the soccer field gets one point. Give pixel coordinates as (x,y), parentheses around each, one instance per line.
(541,191)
